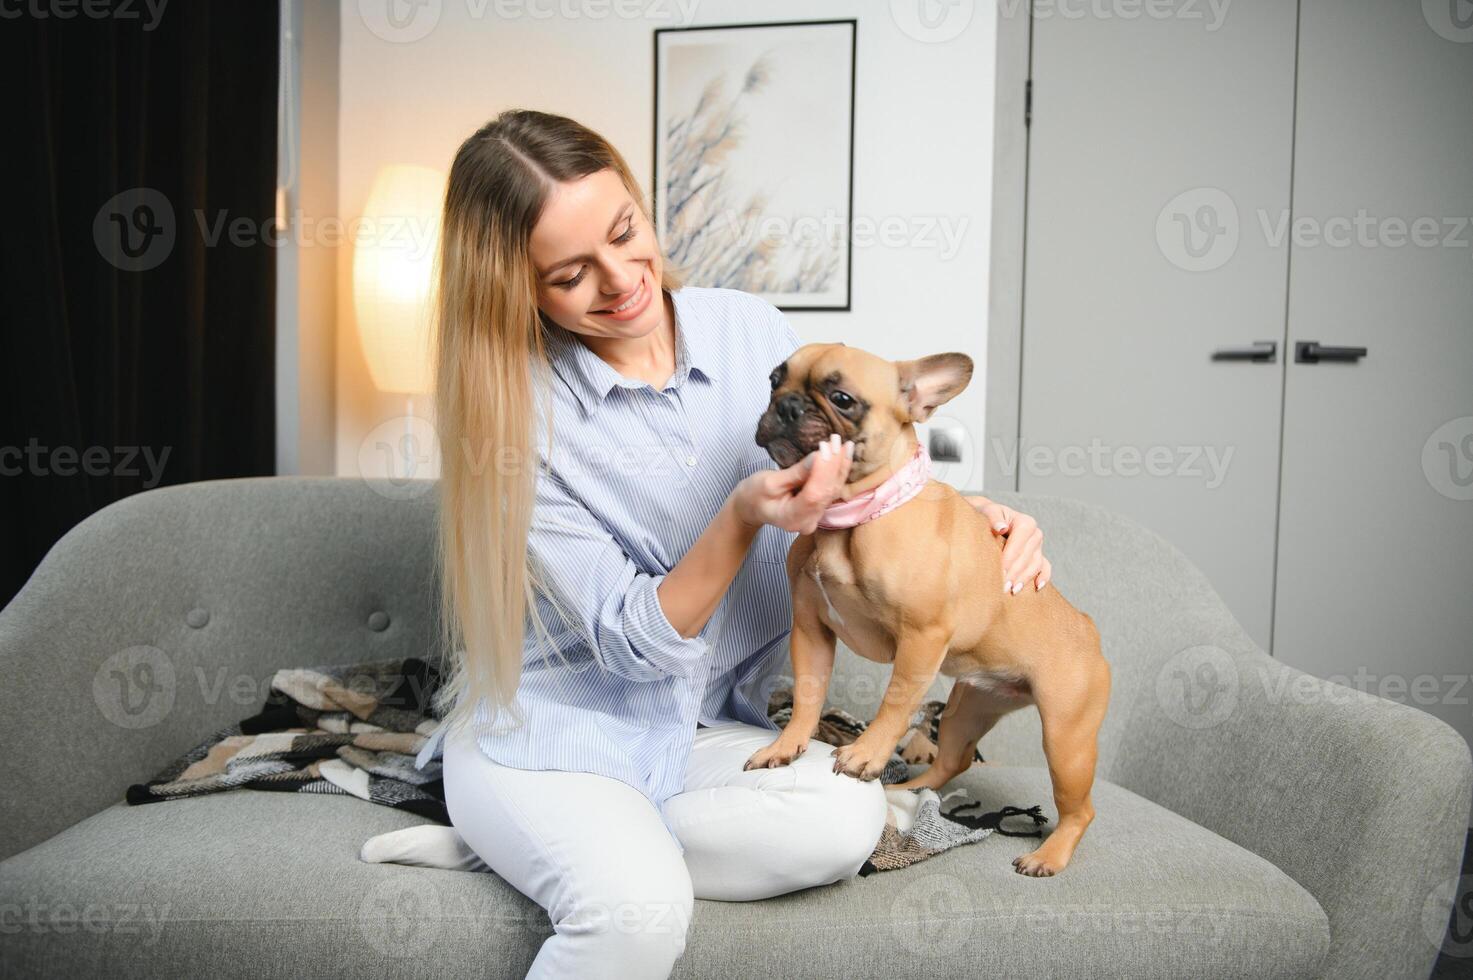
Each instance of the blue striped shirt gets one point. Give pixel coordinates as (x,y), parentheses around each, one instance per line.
(634,476)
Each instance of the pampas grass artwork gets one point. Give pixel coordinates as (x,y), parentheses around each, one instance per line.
(753,151)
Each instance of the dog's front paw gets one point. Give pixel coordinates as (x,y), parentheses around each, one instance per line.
(779,753)
(864,758)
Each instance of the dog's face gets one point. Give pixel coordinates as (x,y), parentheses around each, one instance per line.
(826,388)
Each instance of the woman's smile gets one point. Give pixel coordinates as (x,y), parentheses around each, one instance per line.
(633,305)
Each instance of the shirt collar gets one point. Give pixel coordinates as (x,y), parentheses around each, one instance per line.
(591,378)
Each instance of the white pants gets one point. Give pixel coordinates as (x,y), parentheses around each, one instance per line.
(594,853)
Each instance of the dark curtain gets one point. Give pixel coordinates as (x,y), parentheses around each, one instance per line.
(136,258)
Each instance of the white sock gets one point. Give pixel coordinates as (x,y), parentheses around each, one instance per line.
(424,846)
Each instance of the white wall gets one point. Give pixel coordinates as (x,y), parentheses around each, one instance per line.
(922,152)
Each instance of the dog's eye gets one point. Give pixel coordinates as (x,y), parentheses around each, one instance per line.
(840,400)
(775,377)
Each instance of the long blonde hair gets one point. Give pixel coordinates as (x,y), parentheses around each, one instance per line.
(489,342)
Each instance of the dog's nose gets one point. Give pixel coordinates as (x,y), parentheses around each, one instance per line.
(789,408)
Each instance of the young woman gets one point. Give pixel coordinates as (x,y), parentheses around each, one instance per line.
(595,761)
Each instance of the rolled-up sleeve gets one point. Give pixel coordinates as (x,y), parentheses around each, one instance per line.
(617,602)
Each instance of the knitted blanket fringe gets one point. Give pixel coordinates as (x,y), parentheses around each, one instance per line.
(355,730)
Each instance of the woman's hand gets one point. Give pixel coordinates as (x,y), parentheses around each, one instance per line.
(794,498)
(1022,555)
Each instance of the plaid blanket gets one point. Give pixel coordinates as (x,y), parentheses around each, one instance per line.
(356,729)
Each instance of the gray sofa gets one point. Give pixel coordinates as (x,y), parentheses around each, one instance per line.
(1252,821)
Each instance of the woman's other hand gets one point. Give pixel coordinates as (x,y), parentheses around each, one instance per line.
(1022,555)
(794,498)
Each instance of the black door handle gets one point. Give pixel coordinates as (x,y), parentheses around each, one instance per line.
(1312,352)
(1262,351)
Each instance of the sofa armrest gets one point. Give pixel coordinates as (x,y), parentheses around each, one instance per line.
(161,619)
(1361,800)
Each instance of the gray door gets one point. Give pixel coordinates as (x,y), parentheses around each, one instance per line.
(1375,580)
(1152,139)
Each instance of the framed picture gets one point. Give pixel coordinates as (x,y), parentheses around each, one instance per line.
(754,158)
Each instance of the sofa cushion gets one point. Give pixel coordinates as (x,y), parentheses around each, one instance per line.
(259,884)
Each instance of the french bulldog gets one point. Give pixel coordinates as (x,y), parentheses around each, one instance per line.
(906,572)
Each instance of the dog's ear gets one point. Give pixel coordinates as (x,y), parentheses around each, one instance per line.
(929,382)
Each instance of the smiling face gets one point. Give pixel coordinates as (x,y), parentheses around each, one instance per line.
(593,251)
(826,388)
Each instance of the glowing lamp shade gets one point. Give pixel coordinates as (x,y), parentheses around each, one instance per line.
(393,261)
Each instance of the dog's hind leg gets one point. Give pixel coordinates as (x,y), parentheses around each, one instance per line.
(1072,697)
(969,714)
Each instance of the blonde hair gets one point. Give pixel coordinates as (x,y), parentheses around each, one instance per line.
(489,341)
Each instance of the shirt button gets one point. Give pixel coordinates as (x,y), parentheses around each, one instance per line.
(690,461)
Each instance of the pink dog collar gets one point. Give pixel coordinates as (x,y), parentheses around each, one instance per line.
(902,485)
